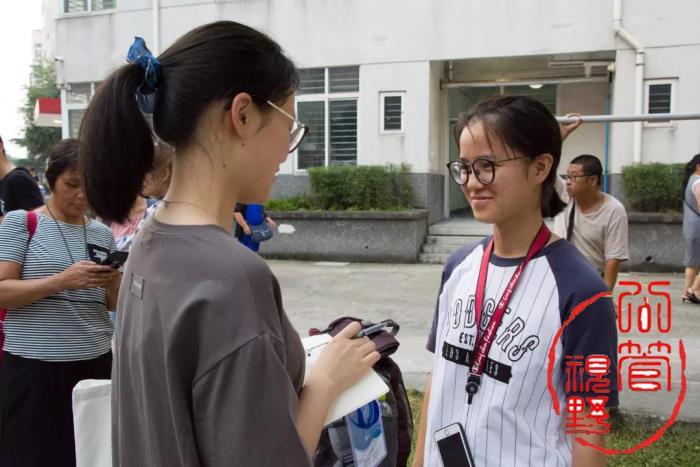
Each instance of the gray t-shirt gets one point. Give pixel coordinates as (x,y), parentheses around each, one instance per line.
(599,235)
(207,366)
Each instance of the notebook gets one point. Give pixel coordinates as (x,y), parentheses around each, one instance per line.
(369,388)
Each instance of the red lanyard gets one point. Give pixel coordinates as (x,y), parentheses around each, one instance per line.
(485,339)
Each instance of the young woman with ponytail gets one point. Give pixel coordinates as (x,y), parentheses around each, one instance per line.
(207,368)
(691,229)
(502,301)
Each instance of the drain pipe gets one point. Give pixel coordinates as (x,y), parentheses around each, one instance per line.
(639,78)
(155,44)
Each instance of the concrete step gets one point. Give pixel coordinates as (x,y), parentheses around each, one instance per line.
(460,227)
(439,249)
(432,258)
(452,240)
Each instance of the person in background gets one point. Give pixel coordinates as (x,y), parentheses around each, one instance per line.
(18,189)
(208,368)
(57,329)
(35,176)
(155,186)
(691,229)
(593,221)
(124,231)
(246,215)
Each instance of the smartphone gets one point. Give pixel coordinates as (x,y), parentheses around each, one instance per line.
(452,446)
(116,259)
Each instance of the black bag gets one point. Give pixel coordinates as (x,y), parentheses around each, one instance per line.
(334,448)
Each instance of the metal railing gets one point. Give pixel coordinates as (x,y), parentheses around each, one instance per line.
(632,118)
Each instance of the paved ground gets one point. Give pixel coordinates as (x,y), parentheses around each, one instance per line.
(316,293)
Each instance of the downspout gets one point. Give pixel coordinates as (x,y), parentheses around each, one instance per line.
(155,44)
(606,162)
(639,78)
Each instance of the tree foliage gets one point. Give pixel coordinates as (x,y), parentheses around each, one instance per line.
(39,140)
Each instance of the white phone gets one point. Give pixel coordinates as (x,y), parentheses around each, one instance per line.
(452,446)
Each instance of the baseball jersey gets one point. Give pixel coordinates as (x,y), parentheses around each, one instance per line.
(511,421)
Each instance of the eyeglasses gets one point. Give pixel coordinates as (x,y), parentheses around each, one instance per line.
(296,134)
(573,178)
(484,170)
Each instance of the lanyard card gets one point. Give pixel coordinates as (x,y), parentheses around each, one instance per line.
(367,435)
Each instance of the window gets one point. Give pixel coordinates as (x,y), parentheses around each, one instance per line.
(78,96)
(327,102)
(391,119)
(659,99)
(75,117)
(79,6)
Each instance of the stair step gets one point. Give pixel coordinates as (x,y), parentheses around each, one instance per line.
(432,258)
(452,240)
(459,227)
(439,249)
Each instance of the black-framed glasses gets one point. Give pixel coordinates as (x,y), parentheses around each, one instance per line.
(573,178)
(484,170)
(296,134)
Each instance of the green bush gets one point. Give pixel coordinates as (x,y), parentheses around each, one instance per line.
(295,203)
(654,187)
(361,188)
(352,188)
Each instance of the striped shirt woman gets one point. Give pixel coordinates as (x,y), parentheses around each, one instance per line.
(57,328)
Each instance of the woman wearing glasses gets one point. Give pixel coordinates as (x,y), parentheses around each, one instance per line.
(207,368)
(502,301)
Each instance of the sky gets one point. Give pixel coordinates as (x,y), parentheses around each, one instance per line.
(18,22)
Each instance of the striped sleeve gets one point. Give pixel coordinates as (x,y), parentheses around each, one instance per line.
(13,237)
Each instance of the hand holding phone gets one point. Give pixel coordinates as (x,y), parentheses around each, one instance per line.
(115,259)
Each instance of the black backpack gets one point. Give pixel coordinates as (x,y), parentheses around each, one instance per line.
(334,448)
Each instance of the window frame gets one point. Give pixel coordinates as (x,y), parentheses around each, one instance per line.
(647,86)
(79,105)
(88,9)
(327,97)
(382,96)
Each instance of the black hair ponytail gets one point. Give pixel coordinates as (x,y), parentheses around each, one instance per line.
(116,145)
(211,63)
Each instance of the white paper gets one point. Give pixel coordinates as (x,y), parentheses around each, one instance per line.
(370,387)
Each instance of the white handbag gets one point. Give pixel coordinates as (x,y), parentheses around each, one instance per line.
(92,422)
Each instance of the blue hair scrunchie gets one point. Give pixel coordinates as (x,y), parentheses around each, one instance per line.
(146,92)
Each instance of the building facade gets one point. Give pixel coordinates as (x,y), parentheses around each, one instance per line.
(383,81)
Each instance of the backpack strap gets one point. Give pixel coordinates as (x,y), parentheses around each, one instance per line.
(31,224)
(385,342)
(570,227)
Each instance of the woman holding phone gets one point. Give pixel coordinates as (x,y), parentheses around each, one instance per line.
(57,328)
(502,301)
(208,369)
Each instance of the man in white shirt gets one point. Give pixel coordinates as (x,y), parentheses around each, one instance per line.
(595,222)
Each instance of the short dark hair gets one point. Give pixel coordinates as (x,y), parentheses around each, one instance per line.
(689,169)
(591,165)
(63,157)
(211,63)
(526,126)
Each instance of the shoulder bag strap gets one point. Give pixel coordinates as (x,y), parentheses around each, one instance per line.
(570,227)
